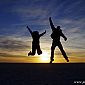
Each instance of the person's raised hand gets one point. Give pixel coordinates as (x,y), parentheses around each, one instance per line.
(45,31)
(65,38)
(27,27)
(49,18)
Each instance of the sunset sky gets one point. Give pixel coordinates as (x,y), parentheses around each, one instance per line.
(15,39)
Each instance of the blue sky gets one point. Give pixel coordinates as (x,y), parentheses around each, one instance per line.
(15,15)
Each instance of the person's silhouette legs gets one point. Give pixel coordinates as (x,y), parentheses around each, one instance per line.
(63,52)
(33,50)
(39,50)
(52,52)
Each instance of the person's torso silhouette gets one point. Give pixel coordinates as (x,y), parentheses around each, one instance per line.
(35,36)
(56,34)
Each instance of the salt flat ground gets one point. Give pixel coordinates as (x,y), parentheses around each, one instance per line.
(42,73)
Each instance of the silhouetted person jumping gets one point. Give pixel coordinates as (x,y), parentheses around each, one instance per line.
(35,43)
(56,33)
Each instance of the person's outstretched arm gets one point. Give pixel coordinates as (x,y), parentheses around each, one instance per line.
(51,24)
(42,33)
(29,30)
(65,38)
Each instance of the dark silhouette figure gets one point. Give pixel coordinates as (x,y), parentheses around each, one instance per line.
(35,43)
(56,33)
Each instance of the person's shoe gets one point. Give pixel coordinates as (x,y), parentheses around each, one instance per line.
(51,60)
(67,60)
(39,52)
(29,53)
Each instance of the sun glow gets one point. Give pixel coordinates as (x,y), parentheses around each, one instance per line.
(44,57)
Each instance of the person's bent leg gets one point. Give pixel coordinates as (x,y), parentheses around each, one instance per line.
(29,53)
(63,52)
(39,52)
(33,50)
(52,52)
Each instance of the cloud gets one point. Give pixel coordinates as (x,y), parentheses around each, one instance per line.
(10,55)
(69,14)
(33,16)
(12,44)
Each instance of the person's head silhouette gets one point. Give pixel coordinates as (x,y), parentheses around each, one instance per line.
(58,27)
(35,32)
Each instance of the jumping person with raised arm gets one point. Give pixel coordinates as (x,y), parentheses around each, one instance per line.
(56,34)
(35,43)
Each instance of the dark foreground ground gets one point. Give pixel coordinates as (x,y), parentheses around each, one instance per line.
(42,74)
